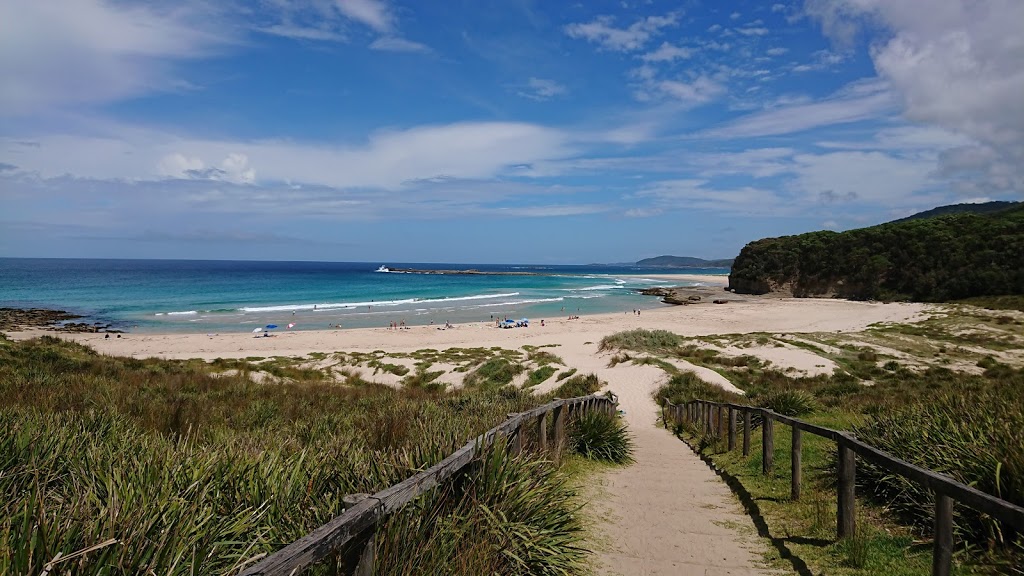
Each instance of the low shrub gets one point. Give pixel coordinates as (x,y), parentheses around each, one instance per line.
(787,402)
(599,436)
(579,385)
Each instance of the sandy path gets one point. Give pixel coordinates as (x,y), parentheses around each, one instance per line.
(668,513)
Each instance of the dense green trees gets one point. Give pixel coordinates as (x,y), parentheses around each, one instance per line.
(932,259)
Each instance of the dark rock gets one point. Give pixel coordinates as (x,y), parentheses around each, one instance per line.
(720,301)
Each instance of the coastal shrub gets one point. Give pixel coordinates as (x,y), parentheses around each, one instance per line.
(970,431)
(504,515)
(539,375)
(493,373)
(686,386)
(578,385)
(787,402)
(599,436)
(195,473)
(565,374)
(641,340)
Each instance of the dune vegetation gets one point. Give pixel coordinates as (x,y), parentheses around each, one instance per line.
(120,465)
(934,409)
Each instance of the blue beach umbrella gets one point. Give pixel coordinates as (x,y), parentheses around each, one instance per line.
(271,326)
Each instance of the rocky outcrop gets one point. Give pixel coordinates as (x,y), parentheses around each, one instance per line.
(20,318)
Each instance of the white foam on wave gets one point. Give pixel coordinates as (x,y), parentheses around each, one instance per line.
(185,313)
(592,288)
(373,303)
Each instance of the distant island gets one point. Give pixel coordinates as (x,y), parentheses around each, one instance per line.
(682,262)
(948,253)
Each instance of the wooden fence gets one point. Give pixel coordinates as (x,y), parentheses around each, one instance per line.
(347,541)
(721,417)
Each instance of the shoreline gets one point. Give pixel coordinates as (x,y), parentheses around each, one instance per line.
(576,339)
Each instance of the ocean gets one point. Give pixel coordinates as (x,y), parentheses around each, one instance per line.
(238,296)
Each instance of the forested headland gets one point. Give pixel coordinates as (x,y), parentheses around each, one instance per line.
(932,259)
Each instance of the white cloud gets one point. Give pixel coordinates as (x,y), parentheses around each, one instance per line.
(695,194)
(873,177)
(62,52)
(700,91)
(601,31)
(373,13)
(542,89)
(857,101)
(956,65)
(735,16)
(756,31)
(296,32)
(778,7)
(395,44)
(667,52)
(776,51)
(387,160)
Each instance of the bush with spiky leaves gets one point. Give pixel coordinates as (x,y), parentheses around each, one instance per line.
(599,436)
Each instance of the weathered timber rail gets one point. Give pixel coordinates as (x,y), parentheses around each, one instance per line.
(348,539)
(721,417)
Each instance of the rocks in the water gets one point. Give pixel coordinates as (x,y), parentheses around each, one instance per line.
(17,318)
(693,298)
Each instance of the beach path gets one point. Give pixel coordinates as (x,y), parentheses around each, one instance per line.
(667,513)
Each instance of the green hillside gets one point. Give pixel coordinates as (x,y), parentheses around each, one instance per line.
(982,208)
(683,262)
(928,259)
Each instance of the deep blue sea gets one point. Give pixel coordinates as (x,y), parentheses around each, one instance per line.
(237,296)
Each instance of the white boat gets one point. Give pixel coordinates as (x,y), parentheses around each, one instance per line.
(383,268)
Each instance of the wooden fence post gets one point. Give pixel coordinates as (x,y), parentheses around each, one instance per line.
(359,554)
(710,415)
(542,433)
(559,439)
(664,413)
(942,553)
(845,507)
(732,428)
(796,454)
(721,421)
(767,443)
(515,444)
(746,431)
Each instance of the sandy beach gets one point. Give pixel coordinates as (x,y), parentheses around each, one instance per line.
(576,339)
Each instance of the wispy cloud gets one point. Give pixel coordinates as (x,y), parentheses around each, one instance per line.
(601,31)
(667,52)
(858,101)
(373,13)
(88,51)
(395,44)
(541,89)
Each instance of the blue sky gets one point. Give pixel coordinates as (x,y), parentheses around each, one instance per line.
(494,131)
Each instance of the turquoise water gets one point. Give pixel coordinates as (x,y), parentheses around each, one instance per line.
(236,296)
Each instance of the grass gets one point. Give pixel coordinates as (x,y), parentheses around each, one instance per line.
(962,424)
(176,467)
(539,375)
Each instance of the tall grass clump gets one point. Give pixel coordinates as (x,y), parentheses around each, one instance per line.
(641,340)
(970,432)
(600,436)
(162,467)
(578,385)
(502,515)
(787,402)
(494,373)
(686,386)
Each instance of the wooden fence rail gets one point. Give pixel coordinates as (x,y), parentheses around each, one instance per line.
(701,414)
(348,538)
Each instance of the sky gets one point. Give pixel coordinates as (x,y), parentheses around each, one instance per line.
(494,131)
